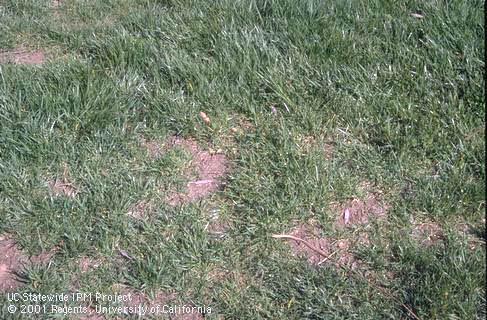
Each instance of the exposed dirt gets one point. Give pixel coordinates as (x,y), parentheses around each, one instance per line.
(218,275)
(360,211)
(140,298)
(22,56)
(154,148)
(12,261)
(87,264)
(206,170)
(306,143)
(331,251)
(245,125)
(427,234)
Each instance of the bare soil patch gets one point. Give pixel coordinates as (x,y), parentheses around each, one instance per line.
(328,150)
(12,261)
(155,149)
(243,125)
(23,56)
(360,211)
(206,169)
(427,234)
(319,250)
(87,264)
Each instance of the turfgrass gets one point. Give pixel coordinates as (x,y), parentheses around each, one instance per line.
(400,100)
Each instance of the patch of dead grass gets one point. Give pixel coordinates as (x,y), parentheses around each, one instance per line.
(306,240)
(55,4)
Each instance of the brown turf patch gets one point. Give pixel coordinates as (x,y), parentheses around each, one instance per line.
(306,143)
(87,264)
(206,169)
(325,250)
(23,56)
(12,260)
(243,125)
(360,211)
(155,149)
(328,150)
(140,298)
(427,234)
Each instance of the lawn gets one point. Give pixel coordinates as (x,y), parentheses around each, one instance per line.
(260,159)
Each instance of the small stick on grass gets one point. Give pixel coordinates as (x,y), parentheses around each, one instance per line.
(328,257)
(306,243)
